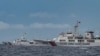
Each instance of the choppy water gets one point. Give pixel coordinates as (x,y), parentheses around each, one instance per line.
(48,51)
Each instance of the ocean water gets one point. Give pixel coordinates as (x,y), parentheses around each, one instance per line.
(48,51)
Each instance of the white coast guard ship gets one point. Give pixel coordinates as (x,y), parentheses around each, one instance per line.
(25,42)
(64,39)
(75,39)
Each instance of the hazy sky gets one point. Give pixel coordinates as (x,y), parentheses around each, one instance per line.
(45,19)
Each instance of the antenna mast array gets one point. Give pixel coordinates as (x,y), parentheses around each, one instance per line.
(76,27)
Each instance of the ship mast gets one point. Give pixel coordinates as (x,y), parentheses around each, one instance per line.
(23,36)
(76,27)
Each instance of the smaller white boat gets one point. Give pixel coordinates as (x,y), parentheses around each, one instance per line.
(24,42)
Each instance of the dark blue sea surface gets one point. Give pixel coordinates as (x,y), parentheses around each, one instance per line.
(48,51)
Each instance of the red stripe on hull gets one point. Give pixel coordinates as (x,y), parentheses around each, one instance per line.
(52,43)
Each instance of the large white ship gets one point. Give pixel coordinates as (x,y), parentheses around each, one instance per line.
(76,39)
(64,39)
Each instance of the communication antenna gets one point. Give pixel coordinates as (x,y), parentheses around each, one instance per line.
(76,27)
(23,36)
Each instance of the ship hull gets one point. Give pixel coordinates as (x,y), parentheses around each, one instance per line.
(61,44)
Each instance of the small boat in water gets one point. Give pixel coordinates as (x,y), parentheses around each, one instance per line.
(64,39)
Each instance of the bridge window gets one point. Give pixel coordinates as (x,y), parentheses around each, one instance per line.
(80,40)
(62,40)
(31,42)
(23,40)
(90,41)
(70,43)
(71,40)
(70,37)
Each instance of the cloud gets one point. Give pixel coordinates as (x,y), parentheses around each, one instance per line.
(48,25)
(18,26)
(42,15)
(4,25)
